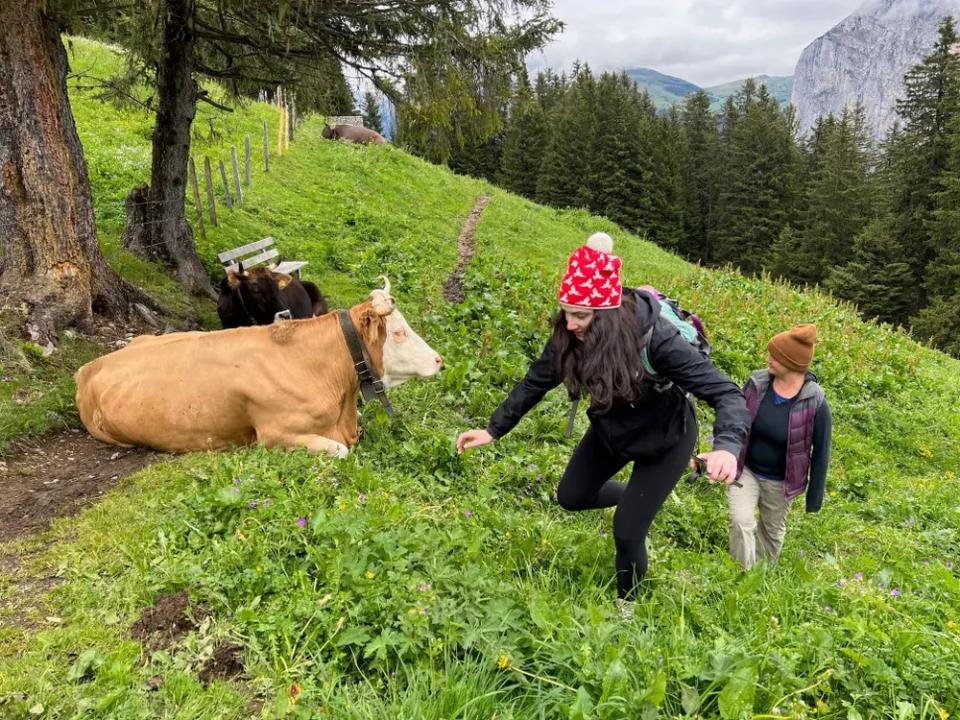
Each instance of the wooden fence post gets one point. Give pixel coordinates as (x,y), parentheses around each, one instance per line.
(236,173)
(246,157)
(196,196)
(293,118)
(266,148)
(226,185)
(211,199)
(280,133)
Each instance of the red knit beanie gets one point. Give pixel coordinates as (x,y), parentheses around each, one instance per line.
(593,276)
(794,348)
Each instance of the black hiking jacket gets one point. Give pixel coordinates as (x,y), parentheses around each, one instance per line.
(657,420)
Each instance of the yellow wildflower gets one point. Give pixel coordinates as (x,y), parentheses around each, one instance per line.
(942,712)
(240,536)
(503,662)
(371,574)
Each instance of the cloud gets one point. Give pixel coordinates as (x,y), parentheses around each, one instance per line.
(703,41)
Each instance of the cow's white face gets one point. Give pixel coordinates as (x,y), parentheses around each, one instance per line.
(405,354)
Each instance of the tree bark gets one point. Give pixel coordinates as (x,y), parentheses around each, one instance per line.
(51,261)
(157,226)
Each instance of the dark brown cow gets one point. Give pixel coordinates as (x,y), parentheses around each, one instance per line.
(254,297)
(353,134)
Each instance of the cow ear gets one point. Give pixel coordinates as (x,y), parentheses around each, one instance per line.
(283,279)
(373,326)
(233,279)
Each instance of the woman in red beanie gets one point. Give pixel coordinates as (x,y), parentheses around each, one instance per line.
(787,451)
(597,345)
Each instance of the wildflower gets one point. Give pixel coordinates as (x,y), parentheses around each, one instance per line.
(302,521)
(503,662)
(340,622)
(423,587)
(841,582)
(803,553)
(294,692)
(240,536)
(508,535)
(252,504)
(895,592)
(266,501)
(468,513)
(371,574)
(362,498)
(858,577)
(942,713)
(828,608)
(259,568)
(237,480)
(951,625)
(948,565)
(424,611)
(603,533)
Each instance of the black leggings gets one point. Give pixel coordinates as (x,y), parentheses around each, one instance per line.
(586,484)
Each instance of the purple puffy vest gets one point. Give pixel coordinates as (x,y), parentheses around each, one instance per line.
(799,429)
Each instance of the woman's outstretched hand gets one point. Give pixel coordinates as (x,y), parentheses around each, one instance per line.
(721,466)
(473,438)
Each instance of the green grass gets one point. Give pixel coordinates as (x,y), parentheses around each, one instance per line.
(427,585)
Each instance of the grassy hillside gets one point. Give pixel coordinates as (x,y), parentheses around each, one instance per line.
(408,582)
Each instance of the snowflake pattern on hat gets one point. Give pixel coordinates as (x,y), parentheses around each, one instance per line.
(592,279)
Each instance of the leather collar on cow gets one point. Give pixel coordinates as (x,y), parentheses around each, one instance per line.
(371,386)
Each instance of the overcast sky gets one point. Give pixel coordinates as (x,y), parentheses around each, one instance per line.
(704,41)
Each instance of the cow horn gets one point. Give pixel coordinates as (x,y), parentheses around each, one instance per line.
(240,268)
(386,284)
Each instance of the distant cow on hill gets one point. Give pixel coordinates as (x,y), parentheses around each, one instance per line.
(292,384)
(353,134)
(255,296)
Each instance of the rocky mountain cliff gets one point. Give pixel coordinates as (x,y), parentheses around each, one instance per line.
(865,57)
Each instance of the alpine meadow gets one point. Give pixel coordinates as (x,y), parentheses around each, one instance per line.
(407,581)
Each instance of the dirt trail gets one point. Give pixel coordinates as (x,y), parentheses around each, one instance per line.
(57,474)
(453,287)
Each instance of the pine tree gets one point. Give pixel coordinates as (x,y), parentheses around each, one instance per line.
(837,203)
(524,141)
(878,277)
(929,108)
(760,163)
(702,135)
(564,179)
(371,112)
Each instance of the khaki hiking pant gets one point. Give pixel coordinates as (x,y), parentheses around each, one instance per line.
(747,544)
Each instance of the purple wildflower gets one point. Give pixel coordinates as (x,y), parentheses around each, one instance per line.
(858,577)
(828,608)
(252,504)
(895,592)
(468,513)
(424,611)
(266,501)
(302,521)
(362,498)
(237,480)
(841,582)
(948,565)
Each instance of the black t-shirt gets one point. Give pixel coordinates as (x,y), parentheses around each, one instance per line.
(767,450)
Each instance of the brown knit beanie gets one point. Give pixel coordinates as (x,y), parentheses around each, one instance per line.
(794,348)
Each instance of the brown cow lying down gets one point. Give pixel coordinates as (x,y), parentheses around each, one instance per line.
(290,385)
(255,296)
(353,134)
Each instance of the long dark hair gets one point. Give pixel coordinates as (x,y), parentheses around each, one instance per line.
(607,363)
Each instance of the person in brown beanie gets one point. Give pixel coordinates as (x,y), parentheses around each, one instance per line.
(787,451)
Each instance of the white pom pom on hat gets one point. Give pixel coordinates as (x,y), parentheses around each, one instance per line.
(601,242)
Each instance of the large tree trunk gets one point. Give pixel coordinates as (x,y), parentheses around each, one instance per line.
(157,225)
(51,262)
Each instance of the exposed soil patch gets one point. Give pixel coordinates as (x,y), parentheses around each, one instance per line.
(224,664)
(57,474)
(168,620)
(453,287)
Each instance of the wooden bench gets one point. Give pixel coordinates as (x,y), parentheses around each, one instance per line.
(259,253)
